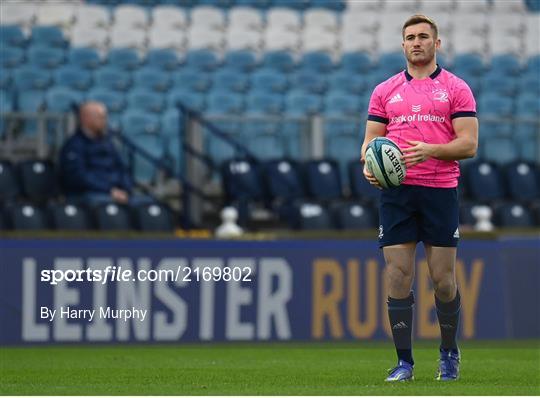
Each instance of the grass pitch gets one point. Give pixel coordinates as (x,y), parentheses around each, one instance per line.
(488,368)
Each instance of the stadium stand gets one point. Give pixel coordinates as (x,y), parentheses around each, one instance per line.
(267,69)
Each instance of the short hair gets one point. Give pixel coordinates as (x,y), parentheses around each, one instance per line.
(419,18)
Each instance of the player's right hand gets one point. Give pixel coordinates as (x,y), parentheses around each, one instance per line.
(371,179)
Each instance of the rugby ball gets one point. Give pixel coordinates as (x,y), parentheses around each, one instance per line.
(384,161)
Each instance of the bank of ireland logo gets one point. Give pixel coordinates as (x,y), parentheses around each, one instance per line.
(416,108)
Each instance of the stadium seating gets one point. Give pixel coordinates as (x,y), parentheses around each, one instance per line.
(354,215)
(154,217)
(484,182)
(523,181)
(26,216)
(310,216)
(38,180)
(513,215)
(112,217)
(323,179)
(9,186)
(279,58)
(69,216)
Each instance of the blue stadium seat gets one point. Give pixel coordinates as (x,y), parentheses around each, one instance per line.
(51,36)
(309,81)
(69,217)
(391,63)
(31,78)
(308,215)
(114,101)
(84,57)
(495,83)
(338,103)
(344,146)
(294,4)
(162,58)
(279,60)
(31,101)
(26,216)
(346,81)
(356,62)
(500,150)
(216,3)
(522,180)
(153,217)
(112,217)
(191,99)
(361,189)
(528,115)
(218,149)
(152,78)
(241,60)
(173,154)
(301,103)
(144,100)
(354,216)
(124,58)
(260,4)
(12,35)
(144,171)
(230,79)
(241,181)
(529,83)
(318,61)
(170,123)
(505,65)
(528,149)
(135,122)
(11,57)
(190,79)
(470,64)
(484,181)
(264,145)
(112,78)
(282,178)
(336,5)
(45,57)
(73,77)
(202,60)
(533,64)
(62,99)
(495,113)
(513,215)
(323,179)
(6,105)
(5,79)
(38,180)
(269,80)
(264,103)
(9,184)
(224,103)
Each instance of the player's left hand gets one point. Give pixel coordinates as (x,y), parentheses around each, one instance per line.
(418,152)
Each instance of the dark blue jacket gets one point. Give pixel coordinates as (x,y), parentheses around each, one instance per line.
(92,165)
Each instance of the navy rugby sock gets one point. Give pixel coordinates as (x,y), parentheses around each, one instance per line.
(448,314)
(400,312)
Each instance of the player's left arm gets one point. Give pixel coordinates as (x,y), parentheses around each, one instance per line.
(462,147)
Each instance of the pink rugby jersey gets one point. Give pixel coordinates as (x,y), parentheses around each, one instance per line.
(423,110)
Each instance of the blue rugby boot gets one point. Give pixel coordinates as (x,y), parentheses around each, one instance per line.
(402,372)
(448,365)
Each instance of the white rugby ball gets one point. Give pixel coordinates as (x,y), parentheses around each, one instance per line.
(384,160)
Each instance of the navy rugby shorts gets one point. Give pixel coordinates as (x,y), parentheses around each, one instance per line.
(412,213)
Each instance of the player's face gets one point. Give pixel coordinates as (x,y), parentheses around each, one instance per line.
(419,44)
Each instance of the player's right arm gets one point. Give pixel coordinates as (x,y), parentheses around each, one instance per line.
(373,130)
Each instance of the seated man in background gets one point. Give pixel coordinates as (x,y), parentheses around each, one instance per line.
(90,166)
